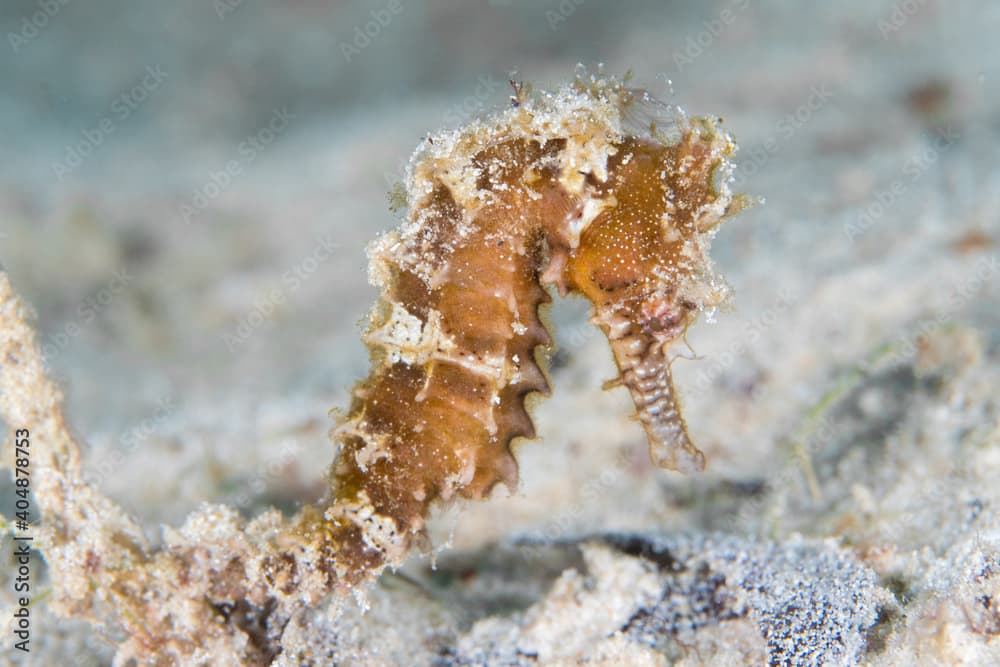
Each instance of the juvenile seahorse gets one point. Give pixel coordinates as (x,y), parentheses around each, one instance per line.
(594,189)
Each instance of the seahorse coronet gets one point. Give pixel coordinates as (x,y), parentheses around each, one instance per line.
(595,189)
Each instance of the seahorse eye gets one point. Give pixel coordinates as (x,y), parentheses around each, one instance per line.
(665,315)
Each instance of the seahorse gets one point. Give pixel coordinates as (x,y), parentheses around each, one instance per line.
(597,189)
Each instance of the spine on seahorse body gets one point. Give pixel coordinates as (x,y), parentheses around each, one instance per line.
(568,189)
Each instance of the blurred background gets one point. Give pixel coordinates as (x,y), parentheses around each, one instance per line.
(187,190)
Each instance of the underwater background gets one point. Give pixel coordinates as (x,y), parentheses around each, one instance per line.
(188,188)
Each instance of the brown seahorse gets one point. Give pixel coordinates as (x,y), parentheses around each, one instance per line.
(594,189)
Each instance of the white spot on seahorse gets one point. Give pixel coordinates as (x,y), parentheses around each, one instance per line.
(407,338)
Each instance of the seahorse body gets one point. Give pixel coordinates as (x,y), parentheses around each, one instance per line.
(568,189)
